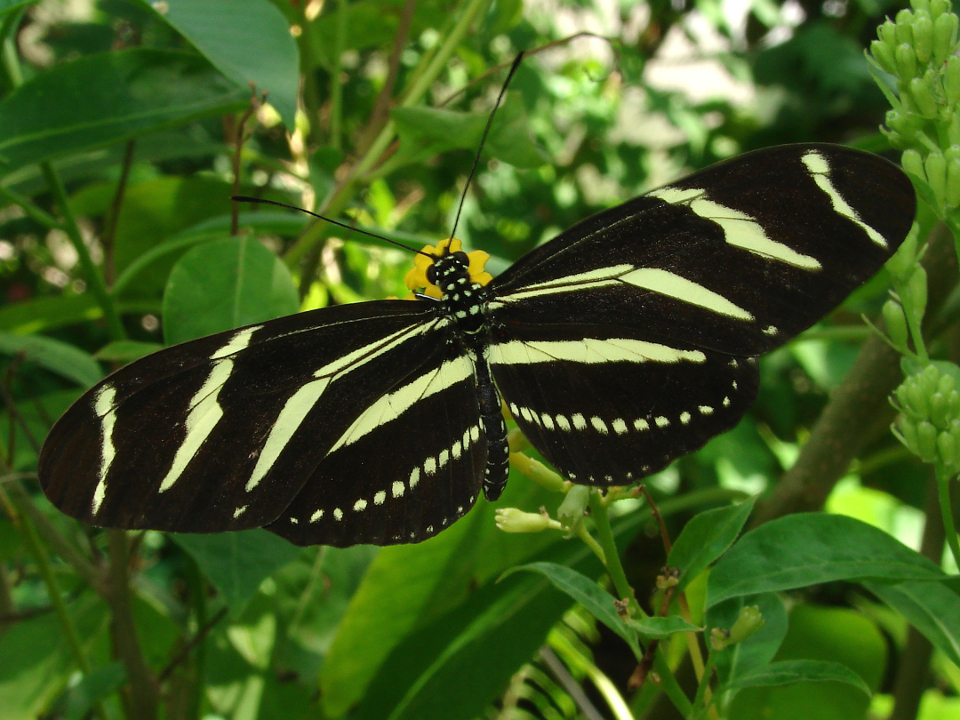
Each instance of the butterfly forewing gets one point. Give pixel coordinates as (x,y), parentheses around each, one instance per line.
(223,432)
(736,258)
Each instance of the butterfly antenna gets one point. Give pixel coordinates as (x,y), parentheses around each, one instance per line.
(483,139)
(263,201)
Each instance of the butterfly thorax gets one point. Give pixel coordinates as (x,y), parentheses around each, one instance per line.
(458,280)
(463,300)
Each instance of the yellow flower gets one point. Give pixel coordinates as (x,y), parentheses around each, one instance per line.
(416,278)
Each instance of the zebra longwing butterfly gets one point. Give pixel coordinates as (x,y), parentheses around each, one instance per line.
(623,343)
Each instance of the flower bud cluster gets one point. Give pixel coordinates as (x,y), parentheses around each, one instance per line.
(919,49)
(929,420)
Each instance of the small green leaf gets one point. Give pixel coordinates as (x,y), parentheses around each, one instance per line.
(225,284)
(78,702)
(237,562)
(249,43)
(108,98)
(661,627)
(787,672)
(56,356)
(46,313)
(931,607)
(705,538)
(585,591)
(124,351)
(809,548)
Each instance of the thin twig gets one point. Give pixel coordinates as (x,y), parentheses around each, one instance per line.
(185,650)
(110,227)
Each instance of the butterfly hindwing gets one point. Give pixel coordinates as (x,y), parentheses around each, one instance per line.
(610,408)
(411,465)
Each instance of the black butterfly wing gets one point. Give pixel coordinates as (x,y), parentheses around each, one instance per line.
(738,257)
(626,341)
(223,433)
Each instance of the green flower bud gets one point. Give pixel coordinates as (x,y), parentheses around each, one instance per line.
(906,125)
(913,163)
(748,623)
(883,55)
(953,183)
(719,639)
(538,472)
(512,520)
(896,323)
(906,62)
(939,7)
(947,385)
(908,434)
(923,37)
(917,405)
(915,295)
(939,410)
(951,80)
(953,130)
(904,20)
(944,36)
(902,397)
(921,89)
(929,379)
(926,441)
(935,168)
(947,449)
(888,34)
(574,505)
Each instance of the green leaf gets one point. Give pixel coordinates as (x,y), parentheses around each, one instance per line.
(809,548)
(931,607)
(37,662)
(425,132)
(408,586)
(46,313)
(585,591)
(105,99)
(237,562)
(226,284)
(661,627)
(787,672)
(124,351)
(37,413)
(82,698)
(7,6)
(58,357)
(705,538)
(249,43)
(758,649)
(486,639)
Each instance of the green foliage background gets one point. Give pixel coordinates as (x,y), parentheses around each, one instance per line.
(119,132)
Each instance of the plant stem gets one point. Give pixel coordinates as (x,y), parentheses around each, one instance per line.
(943,479)
(91,272)
(144,694)
(609,546)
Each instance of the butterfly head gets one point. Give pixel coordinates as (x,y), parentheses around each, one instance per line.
(447,259)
